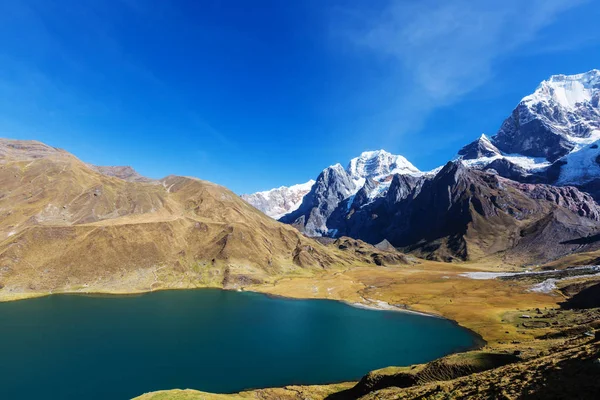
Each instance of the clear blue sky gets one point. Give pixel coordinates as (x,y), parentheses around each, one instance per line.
(263,93)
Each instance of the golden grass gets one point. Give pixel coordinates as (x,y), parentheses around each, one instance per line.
(285,393)
(430,287)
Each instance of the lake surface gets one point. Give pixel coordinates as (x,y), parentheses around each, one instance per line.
(117,347)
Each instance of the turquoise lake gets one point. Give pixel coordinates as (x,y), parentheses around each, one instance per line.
(118,347)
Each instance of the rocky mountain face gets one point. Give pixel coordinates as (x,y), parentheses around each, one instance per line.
(332,186)
(463,213)
(280,201)
(479,149)
(123,172)
(366,177)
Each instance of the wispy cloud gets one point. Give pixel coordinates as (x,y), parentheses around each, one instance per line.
(439,51)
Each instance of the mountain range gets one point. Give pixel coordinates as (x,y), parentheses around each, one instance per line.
(526,194)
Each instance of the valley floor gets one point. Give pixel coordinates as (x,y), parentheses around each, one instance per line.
(428,287)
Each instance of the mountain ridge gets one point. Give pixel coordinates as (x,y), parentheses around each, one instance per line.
(539,140)
(444,214)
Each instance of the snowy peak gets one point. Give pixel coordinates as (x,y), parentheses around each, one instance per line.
(379,163)
(552,135)
(280,201)
(294,188)
(335,167)
(568,91)
(373,171)
(335,183)
(561,116)
(485,141)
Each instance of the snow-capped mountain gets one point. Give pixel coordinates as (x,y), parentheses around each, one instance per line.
(483,154)
(561,116)
(280,201)
(372,171)
(549,137)
(368,175)
(552,138)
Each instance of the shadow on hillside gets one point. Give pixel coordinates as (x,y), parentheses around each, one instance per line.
(574,378)
(583,240)
(439,370)
(587,298)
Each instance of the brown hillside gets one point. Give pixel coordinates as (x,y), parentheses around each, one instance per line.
(65,226)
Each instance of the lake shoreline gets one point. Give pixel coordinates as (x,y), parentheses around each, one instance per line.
(373,305)
(379,306)
(479,341)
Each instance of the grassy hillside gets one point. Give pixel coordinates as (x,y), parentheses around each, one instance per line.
(65,226)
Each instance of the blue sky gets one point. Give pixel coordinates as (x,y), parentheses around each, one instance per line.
(258,94)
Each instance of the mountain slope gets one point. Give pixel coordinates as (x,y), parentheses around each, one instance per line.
(64,226)
(332,186)
(122,172)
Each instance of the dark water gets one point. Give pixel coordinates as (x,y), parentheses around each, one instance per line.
(75,347)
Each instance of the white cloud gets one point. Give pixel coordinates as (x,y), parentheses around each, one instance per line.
(442,50)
